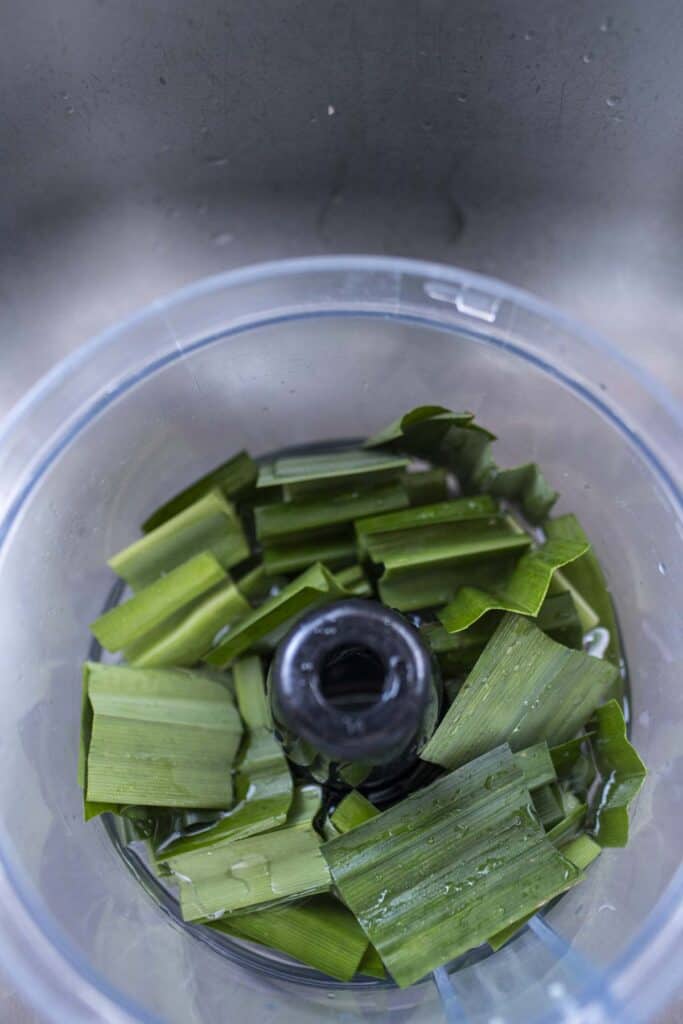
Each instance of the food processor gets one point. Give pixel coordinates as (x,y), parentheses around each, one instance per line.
(293,353)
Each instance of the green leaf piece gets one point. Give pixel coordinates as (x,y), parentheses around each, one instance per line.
(256,585)
(128,622)
(587,616)
(297,519)
(548,803)
(315,586)
(160,738)
(354,581)
(234,479)
(433,877)
(574,818)
(435,585)
(287,557)
(186,636)
(585,575)
(559,619)
(574,765)
(307,803)
(523,592)
(524,688)
(353,468)
(259,871)
(353,810)
(419,431)
(526,485)
(622,769)
(211,524)
(371,965)
(319,932)
(536,765)
(372,529)
(250,691)
(427,486)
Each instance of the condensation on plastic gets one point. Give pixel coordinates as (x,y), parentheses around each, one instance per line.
(286,354)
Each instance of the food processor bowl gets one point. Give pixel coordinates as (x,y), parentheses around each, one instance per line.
(287,354)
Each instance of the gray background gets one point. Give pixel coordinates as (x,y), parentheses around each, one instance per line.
(145,144)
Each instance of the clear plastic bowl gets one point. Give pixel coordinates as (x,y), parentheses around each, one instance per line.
(286,354)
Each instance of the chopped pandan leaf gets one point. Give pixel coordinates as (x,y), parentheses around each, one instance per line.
(427,486)
(433,585)
(250,690)
(305,474)
(319,932)
(585,575)
(290,520)
(458,652)
(259,871)
(622,769)
(353,810)
(263,784)
(315,586)
(452,440)
(186,636)
(211,524)
(439,872)
(233,479)
(524,688)
(536,764)
(574,817)
(293,556)
(440,513)
(354,581)
(371,965)
(306,805)
(548,803)
(559,619)
(522,592)
(123,625)
(256,585)
(575,768)
(160,738)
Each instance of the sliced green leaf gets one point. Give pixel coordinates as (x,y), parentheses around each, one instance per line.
(250,691)
(371,965)
(445,868)
(353,810)
(320,932)
(526,485)
(123,625)
(523,592)
(427,486)
(160,737)
(261,870)
(233,479)
(186,636)
(433,585)
(525,687)
(440,513)
(572,821)
(575,768)
(211,524)
(297,555)
(354,581)
(306,474)
(420,430)
(289,520)
(306,805)
(536,765)
(585,575)
(622,769)
(315,586)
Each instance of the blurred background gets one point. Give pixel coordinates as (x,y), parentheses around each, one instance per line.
(148,143)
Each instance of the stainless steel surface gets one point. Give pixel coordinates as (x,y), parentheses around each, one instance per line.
(146,144)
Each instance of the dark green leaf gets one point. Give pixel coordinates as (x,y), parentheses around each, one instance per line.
(622,770)
(427,486)
(290,520)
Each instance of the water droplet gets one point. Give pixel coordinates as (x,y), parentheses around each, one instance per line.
(223,238)
(606,23)
(529,34)
(461,97)
(587,58)
(330,110)
(661,568)
(644,719)
(556,990)
(606,906)
(613,101)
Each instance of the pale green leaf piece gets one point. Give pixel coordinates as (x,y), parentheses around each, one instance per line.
(150,607)
(315,586)
(324,514)
(352,811)
(250,690)
(371,965)
(524,688)
(210,524)
(294,556)
(189,634)
(523,592)
(622,769)
(306,805)
(585,575)
(234,479)
(319,932)
(304,476)
(447,867)
(354,580)
(258,871)
(160,738)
